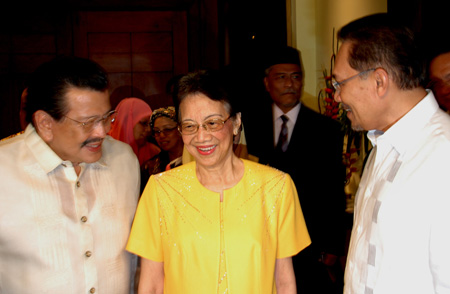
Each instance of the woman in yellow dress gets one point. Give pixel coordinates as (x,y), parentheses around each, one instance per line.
(219,224)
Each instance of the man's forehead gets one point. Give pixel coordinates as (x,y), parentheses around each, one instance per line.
(285,68)
(85,99)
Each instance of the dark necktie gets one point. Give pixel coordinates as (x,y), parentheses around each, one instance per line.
(283,138)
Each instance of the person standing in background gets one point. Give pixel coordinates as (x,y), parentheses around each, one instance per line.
(284,133)
(164,126)
(132,127)
(439,73)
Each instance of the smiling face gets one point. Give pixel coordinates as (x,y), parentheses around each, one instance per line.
(69,140)
(440,79)
(166,134)
(284,84)
(356,94)
(210,149)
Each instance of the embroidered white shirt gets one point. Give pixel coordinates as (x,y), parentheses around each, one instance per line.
(400,239)
(63,233)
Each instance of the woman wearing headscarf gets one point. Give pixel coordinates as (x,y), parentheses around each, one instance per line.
(219,224)
(131,126)
(163,123)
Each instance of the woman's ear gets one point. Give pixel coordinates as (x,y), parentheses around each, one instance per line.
(237,126)
(237,123)
(44,124)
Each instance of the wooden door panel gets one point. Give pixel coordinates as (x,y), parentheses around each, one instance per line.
(152,42)
(152,82)
(151,62)
(109,43)
(112,62)
(129,21)
(141,50)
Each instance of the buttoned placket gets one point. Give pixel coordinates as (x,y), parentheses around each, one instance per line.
(85,229)
(378,179)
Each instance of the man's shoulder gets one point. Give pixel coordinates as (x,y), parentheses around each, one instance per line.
(7,139)
(11,145)
(117,151)
(114,146)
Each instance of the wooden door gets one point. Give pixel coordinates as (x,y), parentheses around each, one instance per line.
(140,50)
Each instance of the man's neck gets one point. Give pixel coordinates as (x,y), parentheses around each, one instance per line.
(404,102)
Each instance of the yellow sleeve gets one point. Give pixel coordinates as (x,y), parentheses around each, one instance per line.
(145,237)
(292,232)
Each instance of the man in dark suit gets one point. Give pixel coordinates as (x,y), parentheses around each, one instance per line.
(310,150)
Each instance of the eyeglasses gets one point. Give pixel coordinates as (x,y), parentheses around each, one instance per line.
(337,85)
(89,125)
(157,133)
(210,125)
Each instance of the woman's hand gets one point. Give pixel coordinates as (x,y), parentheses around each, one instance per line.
(151,280)
(284,276)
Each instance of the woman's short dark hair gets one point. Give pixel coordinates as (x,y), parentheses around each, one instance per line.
(48,85)
(207,82)
(381,41)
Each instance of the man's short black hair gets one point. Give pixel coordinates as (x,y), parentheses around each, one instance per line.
(50,82)
(381,40)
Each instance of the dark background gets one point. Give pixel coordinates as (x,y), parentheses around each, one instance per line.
(183,35)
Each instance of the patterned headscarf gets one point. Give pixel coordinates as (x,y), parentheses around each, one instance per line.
(168,112)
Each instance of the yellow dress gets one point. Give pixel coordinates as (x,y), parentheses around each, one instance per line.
(209,246)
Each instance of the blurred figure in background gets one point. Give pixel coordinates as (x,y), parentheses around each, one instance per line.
(284,133)
(163,124)
(439,74)
(132,127)
(22,112)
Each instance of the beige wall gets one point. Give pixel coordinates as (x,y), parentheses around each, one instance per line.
(312,23)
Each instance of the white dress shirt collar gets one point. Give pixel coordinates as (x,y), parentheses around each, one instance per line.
(277,121)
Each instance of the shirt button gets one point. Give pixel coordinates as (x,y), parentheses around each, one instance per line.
(88,254)
(78,184)
(92,290)
(84,219)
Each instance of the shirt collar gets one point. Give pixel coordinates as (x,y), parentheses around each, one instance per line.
(291,114)
(403,131)
(44,155)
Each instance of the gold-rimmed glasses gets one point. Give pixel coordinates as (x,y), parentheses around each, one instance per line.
(89,125)
(210,125)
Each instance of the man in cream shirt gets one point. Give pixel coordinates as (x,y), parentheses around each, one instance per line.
(68,191)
